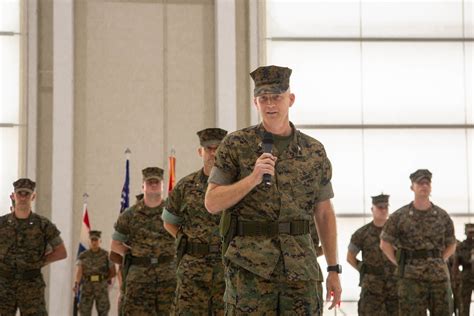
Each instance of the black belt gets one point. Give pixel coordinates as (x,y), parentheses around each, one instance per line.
(196,249)
(20,275)
(148,261)
(422,254)
(272,229)
(95,278)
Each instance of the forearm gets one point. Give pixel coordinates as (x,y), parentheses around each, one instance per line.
(78,274)
(59,252)
(325,220)
(112,272)
(352,260)
(449,251)
(171,229)
(389,251)
(118,247)
(221,197)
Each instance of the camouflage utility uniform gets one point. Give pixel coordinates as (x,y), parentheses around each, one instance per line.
(270,258)
(378,283)
(151,279)
(95,273)
(22,249)
(200,272)
(421,237)
(465,255)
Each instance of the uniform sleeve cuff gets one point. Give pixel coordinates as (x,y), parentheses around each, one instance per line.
(169,217)
(386,237)
(353,248)
(119,237)
(56,241)
(325,192)
(219,177)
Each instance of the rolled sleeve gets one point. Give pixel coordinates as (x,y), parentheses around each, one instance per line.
(219,177)
(169,217)
(56,241)
(353,248)
(325,192)
(119,237)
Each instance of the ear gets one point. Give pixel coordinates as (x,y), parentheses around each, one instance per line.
(292,98)
(200,151)
(33,196)
(411,187)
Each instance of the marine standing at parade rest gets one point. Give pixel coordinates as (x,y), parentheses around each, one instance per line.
(271,265)
(95,270)
(200,272)
(424,236)
(151,271)
(24,240)
(465,258)
(378,295)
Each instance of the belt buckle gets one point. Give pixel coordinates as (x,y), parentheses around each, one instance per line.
(284,228)
(95,278)
(153,260)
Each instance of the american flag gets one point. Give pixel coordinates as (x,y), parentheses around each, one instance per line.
(125,199)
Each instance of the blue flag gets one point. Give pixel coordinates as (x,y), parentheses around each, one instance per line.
(125,200)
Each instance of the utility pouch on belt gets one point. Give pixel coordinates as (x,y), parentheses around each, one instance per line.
(401,258)
(181,245)
(227,230)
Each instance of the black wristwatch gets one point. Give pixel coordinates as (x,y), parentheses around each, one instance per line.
(335,268)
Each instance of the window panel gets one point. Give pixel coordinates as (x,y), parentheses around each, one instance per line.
(406,83)
(312,18)
(469,18)
(325,80)
(408,18)
(392,155)
(8,165)
(469,80)
(10,16)
(344,149)
(9,78)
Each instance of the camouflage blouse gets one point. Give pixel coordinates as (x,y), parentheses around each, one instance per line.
(302,178)
(367,240)
(465,256)
(186,202)
(23,241)
(141,228)
(412,229)
(94,263)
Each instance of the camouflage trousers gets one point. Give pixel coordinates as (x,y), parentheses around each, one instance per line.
(94,291)
(377,303)
(416,297)
(153,299)
(466,292)
(200,286)
(250,294)
(25,295)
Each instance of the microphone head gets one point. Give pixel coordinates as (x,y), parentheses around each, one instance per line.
(267,138)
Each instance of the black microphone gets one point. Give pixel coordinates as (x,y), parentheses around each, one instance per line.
(267,146)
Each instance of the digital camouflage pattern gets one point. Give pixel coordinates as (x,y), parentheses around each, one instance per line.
(94,264)
(249,294)
(465,256)
(23,243)
(302,178)
(421,174)
(412,229)
(271,79)
(200,279)
(24,184)
(152,173)
(378,282)
(211,136)
(150,289)
(455,277)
